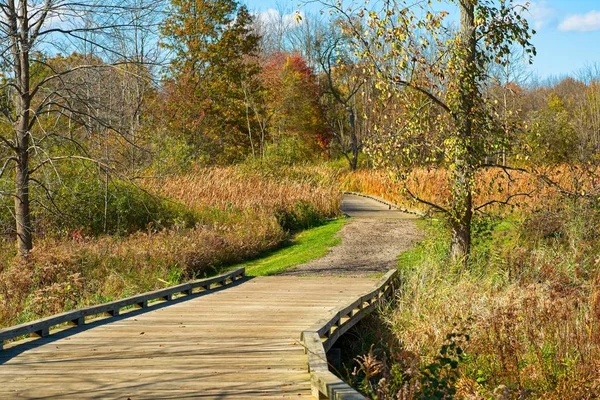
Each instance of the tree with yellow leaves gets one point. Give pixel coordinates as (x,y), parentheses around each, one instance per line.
(433,79)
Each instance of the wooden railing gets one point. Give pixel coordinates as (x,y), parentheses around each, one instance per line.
(42,327)
(319,339)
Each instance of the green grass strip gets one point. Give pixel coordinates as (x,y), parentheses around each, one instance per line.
(305,246)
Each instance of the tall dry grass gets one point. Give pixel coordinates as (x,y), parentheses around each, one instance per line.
(61,274)
(227,188)
(525,191)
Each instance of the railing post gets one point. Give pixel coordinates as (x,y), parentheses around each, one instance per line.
(142,304)
(78,321)
(42,332)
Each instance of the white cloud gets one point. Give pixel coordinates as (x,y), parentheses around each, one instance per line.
(540,13)
(581,22)
(272,16)
(268,16)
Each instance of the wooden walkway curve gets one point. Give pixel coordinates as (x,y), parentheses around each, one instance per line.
(226,337)
(241,342)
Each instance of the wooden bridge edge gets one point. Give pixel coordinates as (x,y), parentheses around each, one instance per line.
(42,327)
(318,339)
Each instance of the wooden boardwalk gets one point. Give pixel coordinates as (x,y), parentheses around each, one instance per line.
(242,342)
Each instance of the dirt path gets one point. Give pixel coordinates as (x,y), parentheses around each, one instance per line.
(371,240)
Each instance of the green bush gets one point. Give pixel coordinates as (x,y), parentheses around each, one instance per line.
(304,215)
(289,151)
(84,203)
(173,155)
(438,379)
(118,208)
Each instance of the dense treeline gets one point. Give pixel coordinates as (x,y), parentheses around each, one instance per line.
(235,86)
(159,90)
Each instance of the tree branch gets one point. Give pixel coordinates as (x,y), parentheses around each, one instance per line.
(506,201)
(6,163)
(51,160)
(431,96)
(423,201)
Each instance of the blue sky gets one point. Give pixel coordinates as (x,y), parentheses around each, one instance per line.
(567,39)
(568,35)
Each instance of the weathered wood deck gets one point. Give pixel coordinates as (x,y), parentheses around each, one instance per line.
(242,342)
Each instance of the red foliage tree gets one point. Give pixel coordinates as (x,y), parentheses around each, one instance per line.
(293,99)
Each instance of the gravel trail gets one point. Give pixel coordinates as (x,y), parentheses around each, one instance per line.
(371,240)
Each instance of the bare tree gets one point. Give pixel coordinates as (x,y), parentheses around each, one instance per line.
(274,27)
(343,85)
(36,89)
(139,43)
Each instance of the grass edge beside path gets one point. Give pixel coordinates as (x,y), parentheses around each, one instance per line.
(304,246)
